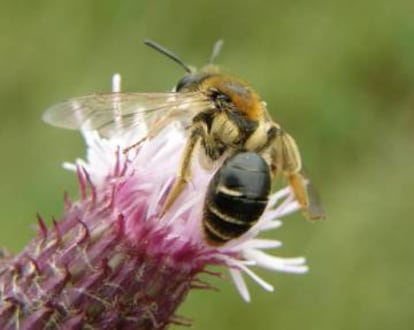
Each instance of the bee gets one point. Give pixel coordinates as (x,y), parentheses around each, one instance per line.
(236,197)
(222,114)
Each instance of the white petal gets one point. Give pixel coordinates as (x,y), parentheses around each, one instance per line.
(240,284)
(116,83)
(256,278)
(269,225)
(290,265)
(277,196)
(176,212)
(69,166)
(288,208)
(259,243)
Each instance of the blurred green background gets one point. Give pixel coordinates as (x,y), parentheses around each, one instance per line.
(338,75)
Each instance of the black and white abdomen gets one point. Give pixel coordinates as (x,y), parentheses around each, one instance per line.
(236,197)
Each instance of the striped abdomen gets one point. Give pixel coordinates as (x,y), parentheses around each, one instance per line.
(236,197)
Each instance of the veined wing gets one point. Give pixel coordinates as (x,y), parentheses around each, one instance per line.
(114,113)
(315,210)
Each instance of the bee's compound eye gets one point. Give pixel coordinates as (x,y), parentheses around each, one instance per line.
(183,82)
(190,82)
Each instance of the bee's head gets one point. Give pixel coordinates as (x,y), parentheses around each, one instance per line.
(191,81)
(231,93)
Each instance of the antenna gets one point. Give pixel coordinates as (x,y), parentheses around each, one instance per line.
(168,53)
(216,51)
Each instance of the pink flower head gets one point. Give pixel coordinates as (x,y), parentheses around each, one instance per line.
(112,261)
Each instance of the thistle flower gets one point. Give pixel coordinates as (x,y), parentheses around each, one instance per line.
(111,261)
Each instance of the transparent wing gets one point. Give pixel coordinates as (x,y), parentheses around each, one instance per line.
(315,210)
(114,113)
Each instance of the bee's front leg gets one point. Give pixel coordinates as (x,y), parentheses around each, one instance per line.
(184,171)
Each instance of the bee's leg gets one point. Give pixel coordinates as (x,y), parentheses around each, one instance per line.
(298,185)
(286,159)
(184,172)
(132,146)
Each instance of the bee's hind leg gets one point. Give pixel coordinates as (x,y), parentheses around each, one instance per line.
(288,160)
